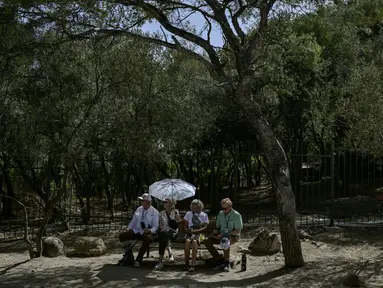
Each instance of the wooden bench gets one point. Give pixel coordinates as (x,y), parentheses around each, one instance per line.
(181,236)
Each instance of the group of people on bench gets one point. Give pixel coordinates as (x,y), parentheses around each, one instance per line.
(147,222)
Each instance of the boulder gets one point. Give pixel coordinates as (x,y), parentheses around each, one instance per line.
(53,247)
(89,246)
(265,244)
(352,280)
(303,235)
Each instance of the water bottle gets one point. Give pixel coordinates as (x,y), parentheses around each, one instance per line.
(243,262)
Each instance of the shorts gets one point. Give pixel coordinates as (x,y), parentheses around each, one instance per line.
(197,237)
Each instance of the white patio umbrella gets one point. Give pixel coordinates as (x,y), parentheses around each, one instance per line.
(176,189)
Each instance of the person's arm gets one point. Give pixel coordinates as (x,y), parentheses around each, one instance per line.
(216,233)
(202,229)
(163,220)
(205,221)
(186,223)
(238,225)
(155,222)
(133,223)
(177,216)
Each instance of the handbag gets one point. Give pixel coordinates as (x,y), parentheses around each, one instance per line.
(173,225)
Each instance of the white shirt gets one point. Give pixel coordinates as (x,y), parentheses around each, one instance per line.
(150,217)
(202,217)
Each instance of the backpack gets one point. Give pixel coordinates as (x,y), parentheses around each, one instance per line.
(128,257)
(197,224)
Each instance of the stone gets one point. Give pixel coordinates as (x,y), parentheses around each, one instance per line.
(303,235)
(53,247)
(352,280)
(89,246)
(265,244)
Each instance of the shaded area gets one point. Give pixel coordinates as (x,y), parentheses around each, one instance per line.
(14,246)
(346,237)
(324,273)
(59,277)
(9,267)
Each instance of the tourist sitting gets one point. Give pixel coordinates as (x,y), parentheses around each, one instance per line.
(169,219)
(143,226)
(228,229)
(195,224)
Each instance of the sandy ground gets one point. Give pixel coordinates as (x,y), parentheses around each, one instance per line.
(329,258)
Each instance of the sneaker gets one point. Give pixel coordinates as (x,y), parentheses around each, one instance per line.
(220,265)
(136,264)
(227,268)
(159,266)
(186,267)
(171,258)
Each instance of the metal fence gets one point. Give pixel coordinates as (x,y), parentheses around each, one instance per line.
(338,187)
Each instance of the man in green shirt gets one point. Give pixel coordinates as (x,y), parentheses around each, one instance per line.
(228,227)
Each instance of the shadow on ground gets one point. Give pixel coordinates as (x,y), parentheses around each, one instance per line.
(350,237)
(316,274)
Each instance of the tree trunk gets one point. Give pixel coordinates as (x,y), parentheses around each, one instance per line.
(48,213)
(109,194)
(278,167)
(258,172)
(84,210)
(128,188)
(7,202)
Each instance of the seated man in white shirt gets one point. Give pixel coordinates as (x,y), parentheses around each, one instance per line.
(142,227)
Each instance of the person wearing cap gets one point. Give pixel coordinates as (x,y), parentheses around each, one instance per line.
(142,227)
(195,224)
(228,228)
(169,221)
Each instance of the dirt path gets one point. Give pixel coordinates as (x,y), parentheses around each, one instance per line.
(329,258)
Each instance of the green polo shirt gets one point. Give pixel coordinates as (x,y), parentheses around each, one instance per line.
(230,221)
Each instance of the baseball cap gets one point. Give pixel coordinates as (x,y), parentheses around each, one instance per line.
(225,243)
(146,197)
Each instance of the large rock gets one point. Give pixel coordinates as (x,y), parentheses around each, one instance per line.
(265,244)
(303,235)
(89,246)
(53,247)
(352,280)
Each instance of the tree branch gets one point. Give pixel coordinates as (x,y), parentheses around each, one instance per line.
(235,22)
(176,46)
(164,21)
(220,17)
(255,40)
(180,5)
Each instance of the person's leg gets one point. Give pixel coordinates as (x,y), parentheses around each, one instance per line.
(169,248)
(187,252)
(226,255)
(194,255)
(127,235)
(209,243)
(163,240)
(146,240)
